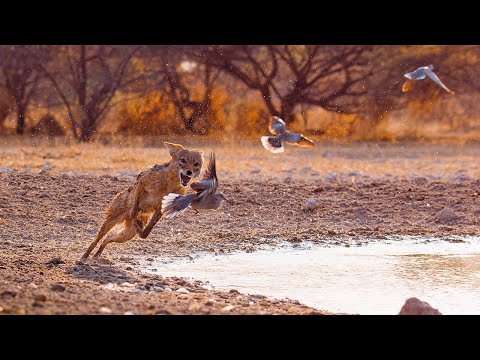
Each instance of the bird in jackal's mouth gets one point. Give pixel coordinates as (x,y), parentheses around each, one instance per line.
(205,196)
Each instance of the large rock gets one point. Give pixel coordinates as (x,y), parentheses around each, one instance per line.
(413,306)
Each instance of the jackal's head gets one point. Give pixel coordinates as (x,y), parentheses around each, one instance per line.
(188,162)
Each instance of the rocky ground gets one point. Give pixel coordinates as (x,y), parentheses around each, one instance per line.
(52,201)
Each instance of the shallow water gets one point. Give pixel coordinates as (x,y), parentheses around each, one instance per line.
(373,279)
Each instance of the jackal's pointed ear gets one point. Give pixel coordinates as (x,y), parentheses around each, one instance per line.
(173,148)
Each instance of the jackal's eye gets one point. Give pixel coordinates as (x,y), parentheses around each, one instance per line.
(196,164)
(183,161)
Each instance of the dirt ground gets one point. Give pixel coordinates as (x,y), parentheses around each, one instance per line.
(52,200)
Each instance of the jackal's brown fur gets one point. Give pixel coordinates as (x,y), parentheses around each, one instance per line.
(134,205)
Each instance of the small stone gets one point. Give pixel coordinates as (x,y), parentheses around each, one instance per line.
(8,293)
(105,310)
(183,291)
(233,291)
(20,312)
(55,261)
(149,259)
(37,303)
(57,287)
(228,308)
(288,179)
(256,171)
(446,215)
(311,204)
(40,297)
(331,177)
(130,313)
(128,268)
(210,302)
(33,285)
(1,309)
(183,296)
(414,306)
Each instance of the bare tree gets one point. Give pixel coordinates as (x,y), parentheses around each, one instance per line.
(19,66)
(331,77)
(86,79)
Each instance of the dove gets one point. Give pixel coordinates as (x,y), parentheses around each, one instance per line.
(275,143)
(420,74)
(205,196)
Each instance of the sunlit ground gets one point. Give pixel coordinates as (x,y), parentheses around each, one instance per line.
(237,159)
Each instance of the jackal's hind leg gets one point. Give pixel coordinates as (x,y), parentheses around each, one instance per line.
(123,236)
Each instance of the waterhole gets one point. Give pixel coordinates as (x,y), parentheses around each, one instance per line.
(375,278)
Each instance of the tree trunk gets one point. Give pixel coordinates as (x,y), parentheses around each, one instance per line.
(88,130)
(287,114)
(189,125)
(21,121)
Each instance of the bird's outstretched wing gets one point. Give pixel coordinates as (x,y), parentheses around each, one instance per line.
(272,144)
(436,79)
(299,140)
(174,204)
(408,85)
(418,74)
(277,126)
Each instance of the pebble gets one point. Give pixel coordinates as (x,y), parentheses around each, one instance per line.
(288,179)
(57,287)
(33,285)
(105,310)
(228,308)
(40,297)
(311,204)
(256,171)
(130,313)
(210,302)
(331,177)
(183,291)
(446,215)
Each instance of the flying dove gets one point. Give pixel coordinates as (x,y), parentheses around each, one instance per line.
(420,74)
(275,143)
(205,196)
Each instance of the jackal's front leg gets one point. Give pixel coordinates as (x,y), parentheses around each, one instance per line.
(136,199)
(143,233)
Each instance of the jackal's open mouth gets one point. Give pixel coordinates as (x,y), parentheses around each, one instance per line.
(185,179)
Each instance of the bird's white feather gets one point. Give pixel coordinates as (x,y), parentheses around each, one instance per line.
(266,144)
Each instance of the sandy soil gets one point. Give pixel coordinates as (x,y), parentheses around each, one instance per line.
(364,191)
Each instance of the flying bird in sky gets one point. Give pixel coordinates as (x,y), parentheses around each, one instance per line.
(205,196)
(420,74)
(275,143)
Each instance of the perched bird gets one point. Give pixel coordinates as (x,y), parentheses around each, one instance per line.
(205,196)
(420,74)
(274,144)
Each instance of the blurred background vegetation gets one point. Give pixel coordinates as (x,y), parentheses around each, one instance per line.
(92,92)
